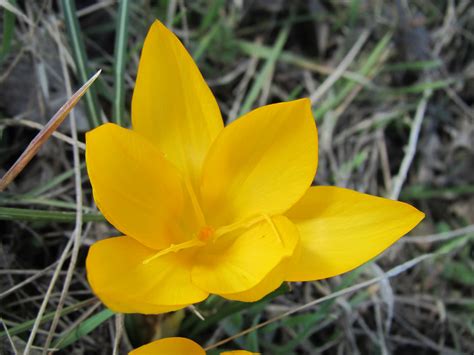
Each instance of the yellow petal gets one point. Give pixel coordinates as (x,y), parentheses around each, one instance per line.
(170,346)
(269,284)
(239,261)
(261,163)
(127,305)
(172,104)
(341,229)
(117,275)
(136,189)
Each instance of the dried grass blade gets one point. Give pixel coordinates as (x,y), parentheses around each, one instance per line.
(44,134)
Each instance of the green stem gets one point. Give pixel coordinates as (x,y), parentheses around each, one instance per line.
(24,214)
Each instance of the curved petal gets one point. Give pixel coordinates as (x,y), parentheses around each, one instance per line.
(240,261)
(136,189)
(341,229)
(261,163)
(118,276)
(172,105)
(269,284)
(170,346)
(129,305)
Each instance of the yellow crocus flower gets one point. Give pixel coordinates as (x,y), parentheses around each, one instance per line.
(207,209)
(179,346)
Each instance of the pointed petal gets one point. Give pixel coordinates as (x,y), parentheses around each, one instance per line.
(170,346)
(238,262)
(136,189)
(341,229)
(261,163)
(117,275)
(172,105)
(269,284)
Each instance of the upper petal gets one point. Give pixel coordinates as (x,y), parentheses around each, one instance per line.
(240,261)
(136,189)
(341,229)
(170,346)
(261,163)
(117,275)
(172,104)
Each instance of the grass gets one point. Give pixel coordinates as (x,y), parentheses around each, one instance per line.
(81,62)
(8,28)
(120,55)
(373,136)
(265,73)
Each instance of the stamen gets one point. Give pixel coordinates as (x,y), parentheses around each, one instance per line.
(272,224)
(205,234)
(246,224)
(175,248)
(236,226)
(195,203)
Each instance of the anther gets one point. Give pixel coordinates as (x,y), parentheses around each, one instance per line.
(205,234)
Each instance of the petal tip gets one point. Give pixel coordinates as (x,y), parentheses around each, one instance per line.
(416,215)
(420,215)
(306,101)
(158,28)
(303,103)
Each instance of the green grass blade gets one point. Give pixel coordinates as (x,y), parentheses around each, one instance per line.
(22,200)
(420,87)
(459,272)
(25,214)
(413,66)
(266,70)
(323,312)
(37,191)
(83,328)
(230,309)
(211,14)
(80,58)
(366,68)
(354,12)
(205,42)
(454,244)
(291,58)
(252,340)
(421,192)
(120,53)
(25,326)
(8,29)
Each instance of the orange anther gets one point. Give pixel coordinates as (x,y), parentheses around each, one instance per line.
(205,234)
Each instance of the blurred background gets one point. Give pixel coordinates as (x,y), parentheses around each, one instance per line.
(392,88)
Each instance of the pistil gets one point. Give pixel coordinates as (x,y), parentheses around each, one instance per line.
(204,235)
(247,224)
(207,234)
(195,203)
(175,248)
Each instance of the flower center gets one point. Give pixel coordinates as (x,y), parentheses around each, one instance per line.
(205,234)
(208,233)
(203,237)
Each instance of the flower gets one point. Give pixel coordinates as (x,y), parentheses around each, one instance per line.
(211,210)
(178,346)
